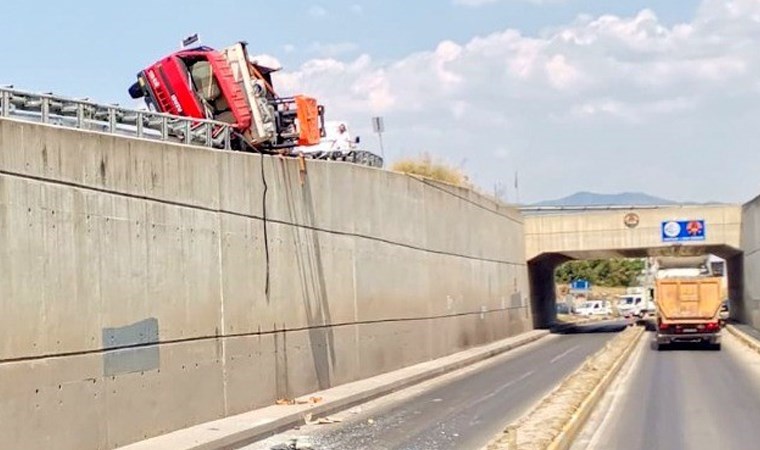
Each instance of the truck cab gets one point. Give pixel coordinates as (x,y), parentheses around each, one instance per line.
(226,86)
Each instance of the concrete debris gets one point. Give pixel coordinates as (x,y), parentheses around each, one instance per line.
(289,401)
(294,444)
(320,421)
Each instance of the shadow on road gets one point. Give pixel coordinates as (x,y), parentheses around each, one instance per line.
(684,347)
(605,326)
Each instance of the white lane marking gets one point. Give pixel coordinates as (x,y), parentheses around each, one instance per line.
(505,386)
(563,354)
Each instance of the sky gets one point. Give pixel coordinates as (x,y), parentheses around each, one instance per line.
(657,96)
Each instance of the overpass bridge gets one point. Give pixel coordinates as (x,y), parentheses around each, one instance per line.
(557,235)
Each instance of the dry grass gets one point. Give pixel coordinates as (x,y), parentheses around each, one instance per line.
(425,166)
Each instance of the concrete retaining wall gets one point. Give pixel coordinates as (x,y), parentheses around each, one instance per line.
(750,307)
(146,287)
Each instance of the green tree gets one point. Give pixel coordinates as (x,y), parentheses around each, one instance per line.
(601,272)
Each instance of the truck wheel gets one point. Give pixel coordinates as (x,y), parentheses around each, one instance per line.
(136,91)
(715,347)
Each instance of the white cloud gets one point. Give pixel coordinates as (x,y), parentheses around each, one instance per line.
(476,3)
(332,49)
(607,102)
(317,11)
(357,8)
(266,60)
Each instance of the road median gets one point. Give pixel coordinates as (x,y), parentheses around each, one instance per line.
(559,416)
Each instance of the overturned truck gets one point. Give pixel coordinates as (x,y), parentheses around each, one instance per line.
(227,86)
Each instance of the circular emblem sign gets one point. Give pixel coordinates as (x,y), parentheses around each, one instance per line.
(694,228)
(672,229)
(631,220)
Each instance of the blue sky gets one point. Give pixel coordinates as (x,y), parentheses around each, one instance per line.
(576,95)
(94,48)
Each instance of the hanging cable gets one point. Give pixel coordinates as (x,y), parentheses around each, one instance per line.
(264,219)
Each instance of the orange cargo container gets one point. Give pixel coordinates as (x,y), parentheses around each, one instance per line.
(688,310)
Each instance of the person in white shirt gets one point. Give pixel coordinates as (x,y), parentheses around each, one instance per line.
(342,141)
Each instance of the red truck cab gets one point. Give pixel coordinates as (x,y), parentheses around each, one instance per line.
(226,86)
(194,83)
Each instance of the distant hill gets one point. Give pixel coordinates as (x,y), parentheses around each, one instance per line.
(593,199)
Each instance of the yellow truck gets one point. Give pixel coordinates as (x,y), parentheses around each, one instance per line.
(688,310)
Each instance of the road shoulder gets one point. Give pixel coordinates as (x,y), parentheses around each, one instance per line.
(248,427)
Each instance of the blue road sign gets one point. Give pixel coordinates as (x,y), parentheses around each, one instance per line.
(580,285)
(683,230)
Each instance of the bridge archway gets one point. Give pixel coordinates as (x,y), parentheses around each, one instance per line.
(553,239)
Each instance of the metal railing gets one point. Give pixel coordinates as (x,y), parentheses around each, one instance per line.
(113,119)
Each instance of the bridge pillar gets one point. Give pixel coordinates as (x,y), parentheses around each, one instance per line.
(543,293)
(735,272)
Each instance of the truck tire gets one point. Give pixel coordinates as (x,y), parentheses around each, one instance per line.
(715,347)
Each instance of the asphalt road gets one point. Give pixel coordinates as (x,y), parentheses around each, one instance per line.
(683,398)
(463,410)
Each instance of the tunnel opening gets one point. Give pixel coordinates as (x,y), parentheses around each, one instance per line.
(543,275)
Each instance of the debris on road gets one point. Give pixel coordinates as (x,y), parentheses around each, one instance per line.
(294,444)
(320,421)
(289,401)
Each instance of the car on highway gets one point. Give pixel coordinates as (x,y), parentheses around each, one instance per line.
(724,311)
(594,308)
(635,305)
(564,308)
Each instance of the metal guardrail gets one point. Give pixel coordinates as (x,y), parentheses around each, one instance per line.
(113,119)
(362,157)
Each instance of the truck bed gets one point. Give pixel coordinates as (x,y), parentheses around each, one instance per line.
(688,299)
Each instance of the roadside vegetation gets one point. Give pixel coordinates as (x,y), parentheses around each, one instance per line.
(426,166)
(601,272)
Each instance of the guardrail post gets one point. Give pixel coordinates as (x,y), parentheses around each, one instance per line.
(111,120)
(227,138)
(187,132)
(45,110)
(209,137)
(80,115)
(6,107)
(164,128)
(139,124)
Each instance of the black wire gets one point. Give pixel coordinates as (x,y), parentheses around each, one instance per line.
(264,220)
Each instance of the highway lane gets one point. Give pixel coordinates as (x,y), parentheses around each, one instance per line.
(462,410)
(681,399)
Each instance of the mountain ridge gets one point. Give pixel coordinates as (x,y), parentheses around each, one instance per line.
(585,198)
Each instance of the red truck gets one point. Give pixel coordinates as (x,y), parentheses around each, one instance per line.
(228,87)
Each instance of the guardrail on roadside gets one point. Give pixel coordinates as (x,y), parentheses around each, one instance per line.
(112,119)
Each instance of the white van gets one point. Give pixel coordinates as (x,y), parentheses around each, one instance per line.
(635,305)
(594,308)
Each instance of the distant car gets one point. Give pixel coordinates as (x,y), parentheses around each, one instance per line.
(724,310)
(635,305)
(594,308)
